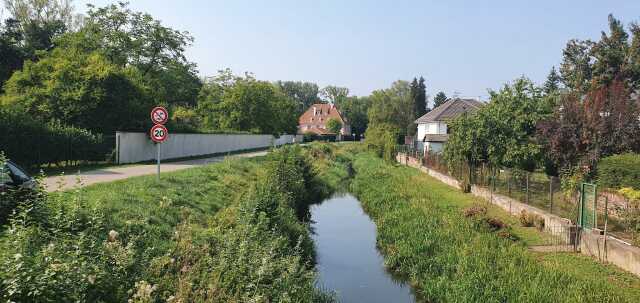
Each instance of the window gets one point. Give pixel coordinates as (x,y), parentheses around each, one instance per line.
(18,174)
(5,177)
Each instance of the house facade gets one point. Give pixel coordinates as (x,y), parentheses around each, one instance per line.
(433,132)
(314,120)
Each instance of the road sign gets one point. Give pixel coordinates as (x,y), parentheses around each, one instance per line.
(159,133)
(159,115)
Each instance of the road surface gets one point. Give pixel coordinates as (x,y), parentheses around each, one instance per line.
(122,172)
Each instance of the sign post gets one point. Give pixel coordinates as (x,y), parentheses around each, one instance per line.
(159,133)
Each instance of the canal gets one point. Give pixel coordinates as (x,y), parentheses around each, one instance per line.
(348,261)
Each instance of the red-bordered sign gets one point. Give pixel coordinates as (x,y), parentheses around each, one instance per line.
(159,115)
(159,133)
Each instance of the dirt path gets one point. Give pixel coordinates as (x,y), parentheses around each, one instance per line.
(122,172)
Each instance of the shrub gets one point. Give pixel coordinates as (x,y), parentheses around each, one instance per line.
(473,211)
(382,140)
(630,215)
(619,171)
(31,142)
(526,219)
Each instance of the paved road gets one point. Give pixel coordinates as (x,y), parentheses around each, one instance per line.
(123,172)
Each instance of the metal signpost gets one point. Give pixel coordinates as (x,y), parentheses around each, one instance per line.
(159,133)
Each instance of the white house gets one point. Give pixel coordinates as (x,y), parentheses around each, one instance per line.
(432,127)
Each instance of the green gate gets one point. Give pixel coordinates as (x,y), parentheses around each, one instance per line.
(587,217)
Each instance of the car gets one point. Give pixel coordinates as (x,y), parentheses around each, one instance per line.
(13,176)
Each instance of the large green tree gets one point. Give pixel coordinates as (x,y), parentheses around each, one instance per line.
(502,133)
(304,93)
(592,64)
(229,102)
(393,106)
(419,97)
(355,110)
(552,84)
(81,89)
(335,94)
(129,38)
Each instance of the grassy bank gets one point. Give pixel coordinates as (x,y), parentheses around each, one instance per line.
(226,232)
(452,257)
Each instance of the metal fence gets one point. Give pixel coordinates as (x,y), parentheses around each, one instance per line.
(536,189)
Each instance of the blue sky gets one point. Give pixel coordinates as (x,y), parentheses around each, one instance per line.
(458,46)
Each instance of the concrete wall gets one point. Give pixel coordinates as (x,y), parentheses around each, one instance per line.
(137,147)
(615,251)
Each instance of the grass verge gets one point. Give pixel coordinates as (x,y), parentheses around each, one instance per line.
(227,232)
(424,235)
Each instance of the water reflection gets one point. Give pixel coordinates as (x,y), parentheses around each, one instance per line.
(347,259)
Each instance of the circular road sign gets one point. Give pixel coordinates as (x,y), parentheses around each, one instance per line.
(159,115)
(159,133)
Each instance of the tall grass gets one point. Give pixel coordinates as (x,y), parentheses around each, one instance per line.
(228,232)
(447,257)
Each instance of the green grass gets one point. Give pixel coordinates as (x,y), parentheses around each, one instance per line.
(225,232)
(448,257)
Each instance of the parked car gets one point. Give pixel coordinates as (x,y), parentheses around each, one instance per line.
(13,176)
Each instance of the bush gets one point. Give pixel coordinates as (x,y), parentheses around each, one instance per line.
(630,215)
(382,140)
(31,142)
(619,171)
(526,219)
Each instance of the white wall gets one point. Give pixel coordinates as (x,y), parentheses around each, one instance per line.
(431,128)
(137,147)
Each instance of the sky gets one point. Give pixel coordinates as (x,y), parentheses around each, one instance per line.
(459,47)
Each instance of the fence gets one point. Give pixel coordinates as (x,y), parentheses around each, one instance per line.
(536,189)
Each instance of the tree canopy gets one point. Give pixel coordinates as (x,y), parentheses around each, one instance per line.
(502,132)
(439,99)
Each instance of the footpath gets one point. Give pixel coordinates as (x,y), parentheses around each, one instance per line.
(110,174)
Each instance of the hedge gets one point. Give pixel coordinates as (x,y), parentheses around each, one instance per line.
(619,171)
(30,142)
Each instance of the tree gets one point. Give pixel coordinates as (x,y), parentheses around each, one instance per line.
(333,125)
(439,99)
(304,93)
(33,26)
(419,97)
(613,57)
(576,66)
(588,126)
(355,110)
(11,53)
(129,38)
(393,106)
(82,90)
(553,82)
(254,106)
(502,132)
(335,94)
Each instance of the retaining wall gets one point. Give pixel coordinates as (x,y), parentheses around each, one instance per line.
(137,147)
(592,243)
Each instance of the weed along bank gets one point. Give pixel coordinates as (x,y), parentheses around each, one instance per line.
(563,233)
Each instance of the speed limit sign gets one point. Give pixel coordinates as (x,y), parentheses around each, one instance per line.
(159,115)
(159,133)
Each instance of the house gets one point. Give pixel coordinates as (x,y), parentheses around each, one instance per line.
(432,127)
(315,118)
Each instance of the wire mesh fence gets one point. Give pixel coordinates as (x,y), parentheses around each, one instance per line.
(602,210)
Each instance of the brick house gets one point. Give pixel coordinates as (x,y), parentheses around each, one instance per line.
(315,118)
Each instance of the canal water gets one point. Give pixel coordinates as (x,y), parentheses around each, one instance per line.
(348,261)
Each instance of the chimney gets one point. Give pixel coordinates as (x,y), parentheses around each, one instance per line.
(315,112)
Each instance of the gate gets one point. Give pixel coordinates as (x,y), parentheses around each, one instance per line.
(587,216)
